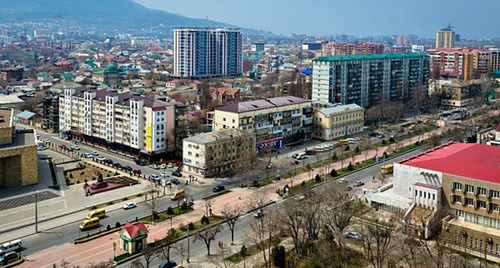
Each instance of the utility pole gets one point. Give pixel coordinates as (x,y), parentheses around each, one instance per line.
(188,243)
(36,211)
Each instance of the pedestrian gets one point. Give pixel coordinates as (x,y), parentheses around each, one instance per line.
(239,196)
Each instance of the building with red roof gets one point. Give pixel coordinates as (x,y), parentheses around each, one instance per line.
(133,237)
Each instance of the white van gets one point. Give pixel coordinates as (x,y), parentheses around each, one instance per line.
(301,156)
(10,246)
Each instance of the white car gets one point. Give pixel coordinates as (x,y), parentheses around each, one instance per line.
(41,148)
(163,166)
(130,205)
(352,235)
(154,166)
(154,177)
(170,165)
(101,158)
(164,174)
(47,141)
(270,165)
(87,155)
(94,153)
(342,181)
(75,147)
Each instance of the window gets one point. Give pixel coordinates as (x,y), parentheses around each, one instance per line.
(469,188)
(457,185)
(495,194)
(457,198)
(494,207)
(481,204)
(482,191)
(469,201)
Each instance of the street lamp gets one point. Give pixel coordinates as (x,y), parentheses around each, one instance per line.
(36,211)
(188,242)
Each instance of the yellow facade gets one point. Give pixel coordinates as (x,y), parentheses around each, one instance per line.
(332,123)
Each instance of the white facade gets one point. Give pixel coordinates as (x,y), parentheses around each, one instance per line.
(406,176)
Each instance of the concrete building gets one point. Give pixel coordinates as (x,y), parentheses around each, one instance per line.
(339,121)
(460,94)
(366,79)
(109,76)
(463,180)
(332,49)
(18,154)
(274,121)
(218,152)
(124,122)
(494,63)
(460,63)
(207,52)
(445,38)
(50,114)
(9,73)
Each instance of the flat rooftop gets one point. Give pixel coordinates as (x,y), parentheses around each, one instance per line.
(20,140)
(468,160)
(6,115)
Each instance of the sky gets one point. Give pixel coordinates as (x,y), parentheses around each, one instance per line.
(472,18)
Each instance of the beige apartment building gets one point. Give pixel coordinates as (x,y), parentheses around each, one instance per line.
(339,121)
(122,121)
(18,154)
(274,121)
(218,152)
(445,38)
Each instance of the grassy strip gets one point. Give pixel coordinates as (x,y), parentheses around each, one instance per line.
(163,216)
(216,195)
(252,250)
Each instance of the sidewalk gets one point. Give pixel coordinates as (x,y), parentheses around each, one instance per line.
(100,249)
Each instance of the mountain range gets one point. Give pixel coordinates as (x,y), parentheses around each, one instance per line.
(108,14)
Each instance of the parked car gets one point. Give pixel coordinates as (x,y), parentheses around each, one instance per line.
(62,146)
(294,156)
(170,165)
(348,188)
(127,168)
(168,264)
(41,148)
(352,235)
(87,155)
(140,162)
(94,153)
(137,171)
(342,181)
(270,165)
(163,166)
(177,174)
(117,165)
(130,205)
(175,181)
(9,257)
(164,174)
(381,136)
(372,134)
(101,158)
(218,188)
(107,161)
(47,141)
(294,162)
(154,177)
(154,166)
(75,147)
(358,183)
(70,149)
(178,163)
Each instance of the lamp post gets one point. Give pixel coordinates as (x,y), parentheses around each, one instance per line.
(188,242)
(36,211)
(114,250)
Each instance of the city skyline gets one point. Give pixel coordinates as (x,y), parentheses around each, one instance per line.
(385,17)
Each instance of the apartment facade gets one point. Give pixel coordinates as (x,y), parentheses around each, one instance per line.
(332,49)
(207,52)
(50,114)
(460,63)
(366,79)
(218,152)
(445,38)
(274,121)
(124,121)
(338,121)
(460,94)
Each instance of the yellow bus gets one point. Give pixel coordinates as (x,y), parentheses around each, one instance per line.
(412,127)
(343,142)
(98,213)
(427,121)
(387,169)
(177,194)
(89,223)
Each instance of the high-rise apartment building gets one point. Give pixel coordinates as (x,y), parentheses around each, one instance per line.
(124,122)
(494,63)
(352,49)
(445,38)
(366,79)
(207,52)
(460,63)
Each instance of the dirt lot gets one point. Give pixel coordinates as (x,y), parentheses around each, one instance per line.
(87,172)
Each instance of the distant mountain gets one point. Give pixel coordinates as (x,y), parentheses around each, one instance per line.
(108,14)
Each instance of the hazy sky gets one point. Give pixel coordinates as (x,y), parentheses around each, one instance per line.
(472,19)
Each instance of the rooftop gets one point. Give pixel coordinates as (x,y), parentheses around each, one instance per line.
(210,137)
(468,160)
(255,105)
(22,138)
(5,114)
(370,57)
(339,109)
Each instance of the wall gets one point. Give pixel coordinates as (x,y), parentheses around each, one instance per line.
(22,166)
(405,176)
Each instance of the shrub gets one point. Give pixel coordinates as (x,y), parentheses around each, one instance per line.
(417,143)
(350,167)
(303,184)
(317,178)
(110,203)
(391,139)
(116,173)
(279,256)
(85,180)
(205,220)
(77,182)
(335,157)
(82,173)
(71,175)
(117,224)
(191,226)
(108,228)
(333,173)
(383,142)
(125,198)
(67,181)
(184,206)
(357,150)
(170,211)
(243,251)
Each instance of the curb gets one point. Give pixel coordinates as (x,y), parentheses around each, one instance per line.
(12,264)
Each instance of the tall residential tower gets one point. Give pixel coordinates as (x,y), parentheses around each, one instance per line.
(445,38)
(207,52)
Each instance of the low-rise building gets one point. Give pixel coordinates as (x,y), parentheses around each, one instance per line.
(339,121)
(18,154)
(274,121)
(218,152)
(460,94)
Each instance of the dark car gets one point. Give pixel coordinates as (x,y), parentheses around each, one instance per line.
(117,165)
(177,174)
(9,257)
(219,188)
(175,181)
(140,162)
(167,264)
(137,171)
(107,161)
(70,149)
(127,168)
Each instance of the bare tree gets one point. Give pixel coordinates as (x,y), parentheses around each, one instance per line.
(337,210)
(152,196)
(377,243)
(231,215)
(149,254)
(207,235)
(167,243)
